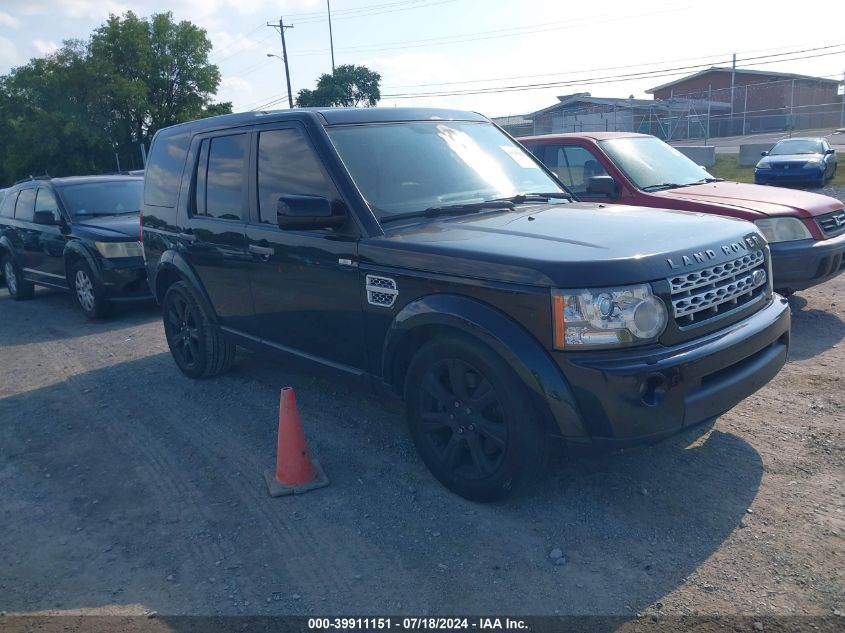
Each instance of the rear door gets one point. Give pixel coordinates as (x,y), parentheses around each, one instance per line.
(305,283)
(27,244)
(213,240)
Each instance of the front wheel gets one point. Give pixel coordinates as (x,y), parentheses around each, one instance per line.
(196,344)
(89,294)
(472,421)
(19,289)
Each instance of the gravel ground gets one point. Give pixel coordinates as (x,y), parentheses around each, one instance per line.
(126,488)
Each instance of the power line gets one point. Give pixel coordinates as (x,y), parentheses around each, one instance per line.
(665,72)
(715,57)
(514,31)
(231,45)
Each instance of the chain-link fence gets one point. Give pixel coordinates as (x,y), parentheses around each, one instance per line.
(784,105)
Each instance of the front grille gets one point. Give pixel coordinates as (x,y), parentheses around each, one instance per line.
(832,223)
(706,294)
(788,165)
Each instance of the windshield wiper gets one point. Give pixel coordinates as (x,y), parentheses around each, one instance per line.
(661,186)
(707,180)
(452,209)
(522,198)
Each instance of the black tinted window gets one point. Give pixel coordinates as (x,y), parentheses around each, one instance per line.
(163,173)
(7,209)
(103,198)
(26,205)
(219,184)
(288,165)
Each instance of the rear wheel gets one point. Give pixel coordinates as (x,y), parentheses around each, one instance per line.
(197,345)
(472,421)
(19,289)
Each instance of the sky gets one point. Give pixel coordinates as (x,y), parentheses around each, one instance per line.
(444,46)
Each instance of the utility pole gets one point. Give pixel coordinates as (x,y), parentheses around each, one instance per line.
(331,40)
(282,26)
(842,93)
(733,83)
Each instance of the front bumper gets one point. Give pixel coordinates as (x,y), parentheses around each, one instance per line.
(124,279)
(633,397)
(804,263)
(793,175)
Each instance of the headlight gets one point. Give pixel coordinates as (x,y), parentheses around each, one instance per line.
(763,165)
(119,249)
(607,317)
(814,162)
(783,229)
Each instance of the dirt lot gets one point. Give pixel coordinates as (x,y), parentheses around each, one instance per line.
(127,488)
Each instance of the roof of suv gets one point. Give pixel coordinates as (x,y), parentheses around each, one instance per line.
(78,180)
(598,136)
(334,116)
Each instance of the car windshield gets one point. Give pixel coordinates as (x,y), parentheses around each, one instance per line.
(651,163)
(408,167)
(103,198)
(796,146)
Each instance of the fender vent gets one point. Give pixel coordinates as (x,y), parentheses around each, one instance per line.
(381,291)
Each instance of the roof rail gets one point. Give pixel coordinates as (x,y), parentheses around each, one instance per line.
(46,176)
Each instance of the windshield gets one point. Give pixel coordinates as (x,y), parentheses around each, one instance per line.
(649,162)
(103,198)
(796,146)
(406,167)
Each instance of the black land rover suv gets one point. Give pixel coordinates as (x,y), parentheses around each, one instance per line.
(79,234)
(427,252)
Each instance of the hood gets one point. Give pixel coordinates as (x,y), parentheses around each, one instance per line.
(564,245)
(790,158)
(110,228)
(760,200)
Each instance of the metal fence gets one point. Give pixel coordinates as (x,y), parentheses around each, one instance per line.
(783,105)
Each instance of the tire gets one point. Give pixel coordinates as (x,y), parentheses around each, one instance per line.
(89,294)
(471,420)
(196,344)
(19,289)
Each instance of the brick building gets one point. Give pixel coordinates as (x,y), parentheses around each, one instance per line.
(762,100)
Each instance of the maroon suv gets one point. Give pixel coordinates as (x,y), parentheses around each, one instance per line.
(806,231)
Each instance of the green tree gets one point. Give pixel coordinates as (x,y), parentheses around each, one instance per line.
(348,86)
(70,112)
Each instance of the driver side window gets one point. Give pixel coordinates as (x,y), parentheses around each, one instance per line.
(46,201)
(573,165)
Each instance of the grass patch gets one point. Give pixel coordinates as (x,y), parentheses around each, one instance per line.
(727,167)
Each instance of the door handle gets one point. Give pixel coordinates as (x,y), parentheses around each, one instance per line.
(188,237)
(265,251)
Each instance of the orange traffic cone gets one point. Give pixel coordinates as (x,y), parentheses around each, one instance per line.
(295,471)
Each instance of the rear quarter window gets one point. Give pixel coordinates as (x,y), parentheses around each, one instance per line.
(7,208)
(163,174)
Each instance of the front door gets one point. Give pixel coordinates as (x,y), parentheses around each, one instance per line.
(49,261)
(574,165)
(306,286)
(213,241)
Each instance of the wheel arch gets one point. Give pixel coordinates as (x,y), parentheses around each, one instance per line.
(428,317)
(74,252)
(172,268)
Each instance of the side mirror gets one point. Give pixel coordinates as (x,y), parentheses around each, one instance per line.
(307,212)
(47,218)
(764,153)
(602,186)
(830,151)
